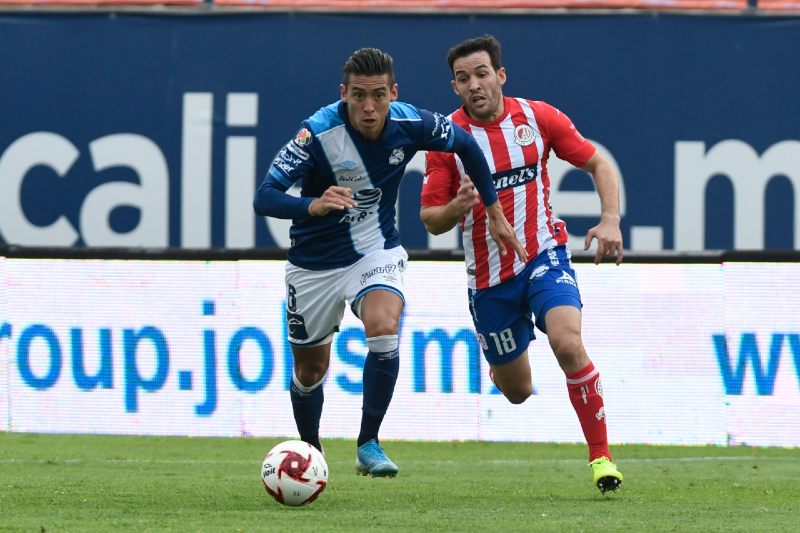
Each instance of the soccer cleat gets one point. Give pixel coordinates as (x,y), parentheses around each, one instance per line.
(605,473)
(371,460)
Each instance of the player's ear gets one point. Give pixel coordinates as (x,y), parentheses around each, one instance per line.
(501,75)
(453,85)
(393,93)
(343,91)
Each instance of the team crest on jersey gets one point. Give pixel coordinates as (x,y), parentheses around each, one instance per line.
(540,271)
(523,135)
(303,137)
(397,156)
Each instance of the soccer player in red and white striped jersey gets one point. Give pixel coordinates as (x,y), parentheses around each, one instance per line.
(516,136)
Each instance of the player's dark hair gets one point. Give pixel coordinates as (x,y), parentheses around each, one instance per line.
(368,62)
(487,43)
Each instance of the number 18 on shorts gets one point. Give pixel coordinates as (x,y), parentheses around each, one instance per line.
(504,314)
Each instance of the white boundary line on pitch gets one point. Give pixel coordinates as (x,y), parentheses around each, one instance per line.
(490,461)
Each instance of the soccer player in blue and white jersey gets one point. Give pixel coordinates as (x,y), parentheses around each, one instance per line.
(349,158)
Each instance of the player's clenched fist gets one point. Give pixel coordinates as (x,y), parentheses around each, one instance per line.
(333,199)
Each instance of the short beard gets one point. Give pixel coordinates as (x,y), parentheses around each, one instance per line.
(481,117)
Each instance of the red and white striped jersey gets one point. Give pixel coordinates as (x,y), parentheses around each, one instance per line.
(516,146)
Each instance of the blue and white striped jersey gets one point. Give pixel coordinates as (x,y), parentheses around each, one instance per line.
(328,151)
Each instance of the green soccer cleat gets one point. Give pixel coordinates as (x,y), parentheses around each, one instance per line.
(605,474)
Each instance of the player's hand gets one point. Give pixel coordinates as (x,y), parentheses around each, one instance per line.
(333,199)
(502,233)
(466,198)
(609,241)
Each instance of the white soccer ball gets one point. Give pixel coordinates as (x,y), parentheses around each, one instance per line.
(294,473)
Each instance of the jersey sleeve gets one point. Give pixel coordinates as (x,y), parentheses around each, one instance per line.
(295,160)
(565,139)
(441,181)
(440,134)
(292,163)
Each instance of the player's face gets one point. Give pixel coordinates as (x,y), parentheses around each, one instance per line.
(479,86)
(367,99)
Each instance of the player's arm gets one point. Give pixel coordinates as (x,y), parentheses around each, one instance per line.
(449,137)
(293,162)
(445,200)
(571,146)
(607,232)
(439,219)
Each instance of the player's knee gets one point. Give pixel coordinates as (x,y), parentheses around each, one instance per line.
(567,348)
(519,393)
(310,374)
(381,325)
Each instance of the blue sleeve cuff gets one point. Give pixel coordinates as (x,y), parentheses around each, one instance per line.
(271,200)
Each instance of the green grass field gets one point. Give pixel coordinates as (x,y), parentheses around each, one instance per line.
(101,483)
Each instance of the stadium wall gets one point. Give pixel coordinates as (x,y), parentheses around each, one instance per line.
(152,130)
(705,351)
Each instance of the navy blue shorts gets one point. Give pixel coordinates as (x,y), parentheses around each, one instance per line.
(503,314)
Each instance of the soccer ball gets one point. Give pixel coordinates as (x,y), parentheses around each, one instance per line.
(294,473)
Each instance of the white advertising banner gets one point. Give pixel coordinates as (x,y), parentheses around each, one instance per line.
(5,348)
(689,354)
(759,354)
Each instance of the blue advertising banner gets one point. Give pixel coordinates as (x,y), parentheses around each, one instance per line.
(123,129)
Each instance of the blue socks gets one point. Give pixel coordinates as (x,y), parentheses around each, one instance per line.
(380,376)
(307,407)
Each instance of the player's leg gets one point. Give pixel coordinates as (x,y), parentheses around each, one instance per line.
(585,391)
(314,310)
(378,302)
(555,301)
(502,320)
(583,379)
(514,379)
(310,367)
(380,311)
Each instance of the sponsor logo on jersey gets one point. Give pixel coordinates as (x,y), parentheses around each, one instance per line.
(598,387)
(286,156)
(514,177)
(283,165)
(553,256)
(348,165)
(566,278)
(352,178)
(523,135)
(442,126)
(397,156)
(296,150)
(388,270)
(367,199)
(303,137)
